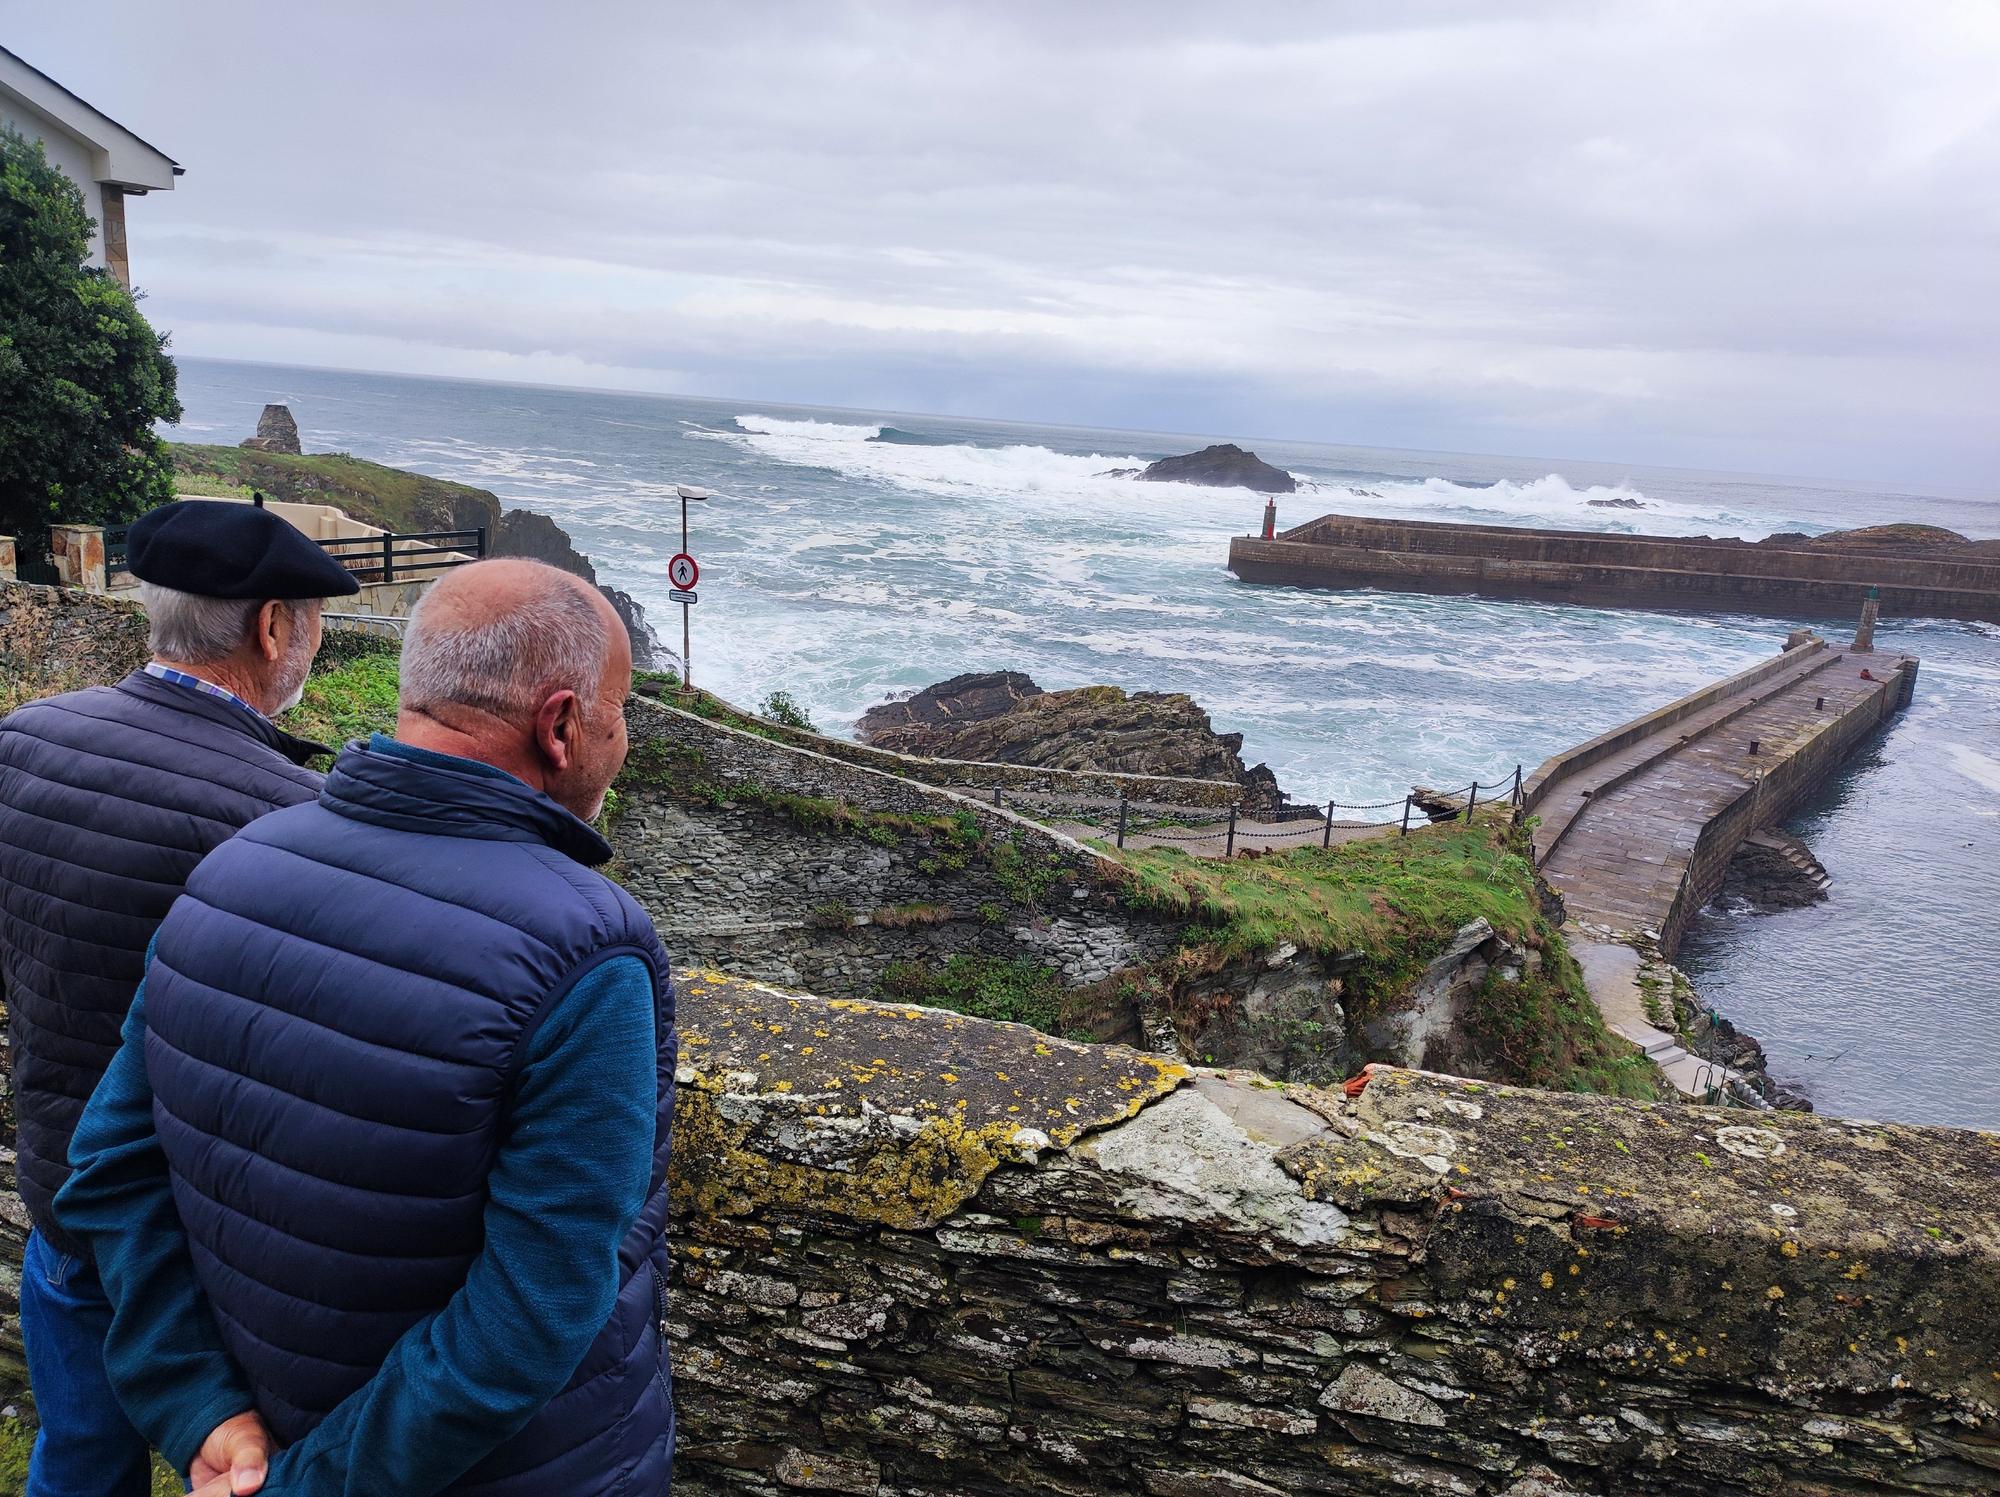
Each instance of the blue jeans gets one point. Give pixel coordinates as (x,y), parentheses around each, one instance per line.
(86,1447)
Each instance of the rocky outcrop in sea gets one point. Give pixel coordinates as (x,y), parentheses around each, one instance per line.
(1004,717)
(1223,466)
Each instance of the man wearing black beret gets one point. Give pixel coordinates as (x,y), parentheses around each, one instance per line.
(108,799)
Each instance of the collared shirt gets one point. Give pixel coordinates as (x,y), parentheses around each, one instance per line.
(161,672)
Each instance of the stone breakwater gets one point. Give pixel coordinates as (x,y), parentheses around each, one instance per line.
(1624,571)
(921,1254)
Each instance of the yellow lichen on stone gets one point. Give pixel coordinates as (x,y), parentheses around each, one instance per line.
(786,1137)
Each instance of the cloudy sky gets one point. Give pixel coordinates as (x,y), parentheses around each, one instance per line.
(1717,233)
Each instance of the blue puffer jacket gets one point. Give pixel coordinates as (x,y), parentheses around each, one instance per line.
(108,799)
(336,1010)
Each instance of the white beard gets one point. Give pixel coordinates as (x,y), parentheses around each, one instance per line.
(298,666)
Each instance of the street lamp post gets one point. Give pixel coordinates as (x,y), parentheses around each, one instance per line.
(686,593)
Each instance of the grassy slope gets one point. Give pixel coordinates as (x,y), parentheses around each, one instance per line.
(351,693)
(1397,901)
(376,495)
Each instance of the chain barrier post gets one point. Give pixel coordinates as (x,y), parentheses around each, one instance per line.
(1471,800)
(1229,847)
(1327,839)
(1122,807)
(1406,816)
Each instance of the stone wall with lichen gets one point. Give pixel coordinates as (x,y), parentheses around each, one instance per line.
(57,639)
(920,1255)
(777,862)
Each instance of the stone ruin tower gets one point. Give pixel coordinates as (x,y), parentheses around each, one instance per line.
(276,431)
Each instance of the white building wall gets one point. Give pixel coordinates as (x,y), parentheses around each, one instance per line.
(72,157)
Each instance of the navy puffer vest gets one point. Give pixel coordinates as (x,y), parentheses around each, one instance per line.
(108,799)
(336,1011)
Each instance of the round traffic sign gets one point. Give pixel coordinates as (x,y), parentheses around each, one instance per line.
(682,571)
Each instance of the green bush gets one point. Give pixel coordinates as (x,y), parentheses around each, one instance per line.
(830,914)
(781,708)
(984,987)
(83,377)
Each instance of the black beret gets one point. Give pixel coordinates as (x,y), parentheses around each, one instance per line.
(217,549)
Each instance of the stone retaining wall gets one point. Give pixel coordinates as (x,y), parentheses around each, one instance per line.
(55,639)
(1774,796)
(761,890)
(921,1256)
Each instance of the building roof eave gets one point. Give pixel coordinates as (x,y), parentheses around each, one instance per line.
(176,168)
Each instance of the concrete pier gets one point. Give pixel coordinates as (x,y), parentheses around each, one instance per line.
(1638,825)
(1695,573)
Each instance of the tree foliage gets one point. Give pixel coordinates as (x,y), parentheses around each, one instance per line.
(83,376)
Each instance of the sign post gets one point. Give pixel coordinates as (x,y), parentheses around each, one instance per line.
(684,573)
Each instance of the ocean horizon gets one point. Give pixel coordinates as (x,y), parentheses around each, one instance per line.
(850,556)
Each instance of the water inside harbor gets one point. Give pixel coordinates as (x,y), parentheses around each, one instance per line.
(852,555)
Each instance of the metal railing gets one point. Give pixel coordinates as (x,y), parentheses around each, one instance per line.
(392,557)
(380,625)
(1232,830)
(35,564)
(114,551)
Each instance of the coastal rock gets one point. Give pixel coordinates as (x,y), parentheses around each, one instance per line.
(1924,541)
(969,698)
(1003,717)
(1223,466)
(1619,503)
(1772,871)
(276,432)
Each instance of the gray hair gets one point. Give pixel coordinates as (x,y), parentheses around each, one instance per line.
(508,664)
(196,630)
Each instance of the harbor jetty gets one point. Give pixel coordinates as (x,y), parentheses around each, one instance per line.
(1636,828)
(1940,575)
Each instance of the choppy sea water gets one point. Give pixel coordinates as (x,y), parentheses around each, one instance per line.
(851,555)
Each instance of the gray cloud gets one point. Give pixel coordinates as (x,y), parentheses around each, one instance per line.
(1739,234)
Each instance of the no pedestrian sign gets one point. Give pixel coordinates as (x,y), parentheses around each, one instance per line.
(683,572)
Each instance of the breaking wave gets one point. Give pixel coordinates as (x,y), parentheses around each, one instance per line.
(942,466)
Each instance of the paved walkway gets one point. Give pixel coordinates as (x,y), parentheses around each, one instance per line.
(1627,826)
(1611,972)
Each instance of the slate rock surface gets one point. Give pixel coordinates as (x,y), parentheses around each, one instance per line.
(1003,717)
